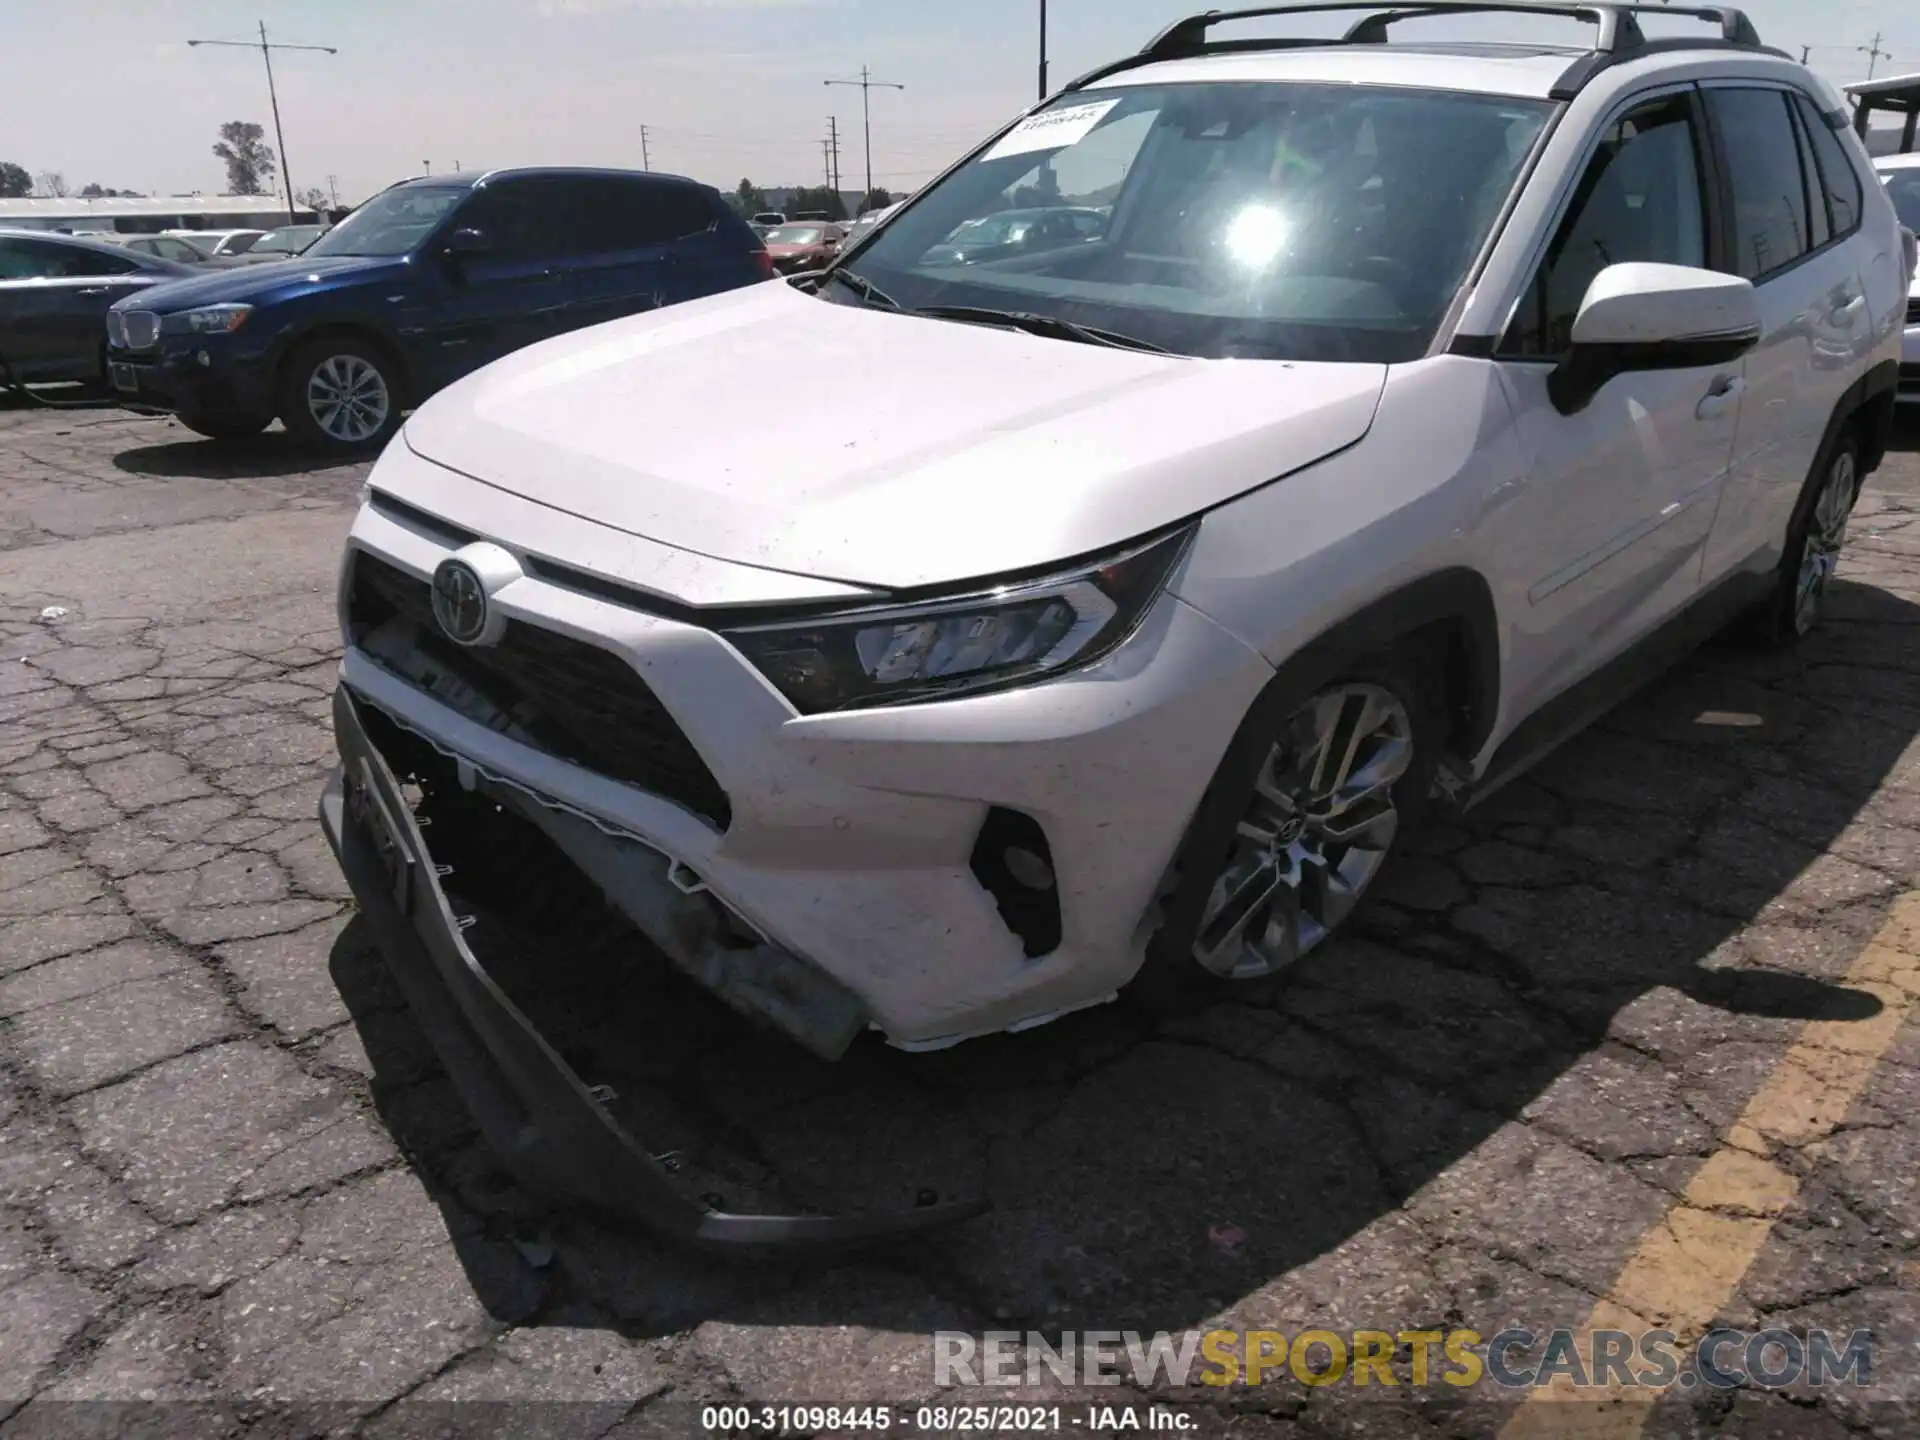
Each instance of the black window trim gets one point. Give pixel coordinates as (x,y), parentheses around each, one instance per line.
(1713,210)
(1724,171)
(1800,112)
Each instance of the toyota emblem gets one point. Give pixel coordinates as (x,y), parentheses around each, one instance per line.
(459,602)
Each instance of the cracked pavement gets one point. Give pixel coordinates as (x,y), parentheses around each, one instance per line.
(231,1172)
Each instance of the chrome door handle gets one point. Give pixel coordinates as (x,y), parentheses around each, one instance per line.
(1716,402)
(95,290)
(1850,311)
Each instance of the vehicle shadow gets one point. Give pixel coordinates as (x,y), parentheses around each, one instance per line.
(255,457)
(1671,888)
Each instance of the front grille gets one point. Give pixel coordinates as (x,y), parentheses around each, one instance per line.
(1913,310)
(578,702)
(140,328)
(1910,376)
(116,330)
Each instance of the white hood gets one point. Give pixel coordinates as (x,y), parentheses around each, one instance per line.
(771,428)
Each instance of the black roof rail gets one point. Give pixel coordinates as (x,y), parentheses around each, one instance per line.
(1619,37)
(1616,22)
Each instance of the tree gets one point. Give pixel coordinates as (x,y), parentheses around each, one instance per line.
(750,198)
(15,182)
(878,198)
(52,183)
(92,190)
(250,164)
(818,197)
(314,199)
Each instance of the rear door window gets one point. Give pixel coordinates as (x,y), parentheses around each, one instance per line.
(49,260)
(612,215)
(1772,226)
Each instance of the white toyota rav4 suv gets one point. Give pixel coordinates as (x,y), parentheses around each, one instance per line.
(1137,582)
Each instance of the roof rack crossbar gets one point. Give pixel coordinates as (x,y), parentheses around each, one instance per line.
(1618,28)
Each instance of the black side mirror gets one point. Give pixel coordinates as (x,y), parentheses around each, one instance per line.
(467,241)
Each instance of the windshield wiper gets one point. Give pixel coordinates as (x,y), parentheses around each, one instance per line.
(864,288)
(1051,326)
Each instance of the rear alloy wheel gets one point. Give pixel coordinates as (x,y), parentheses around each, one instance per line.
(340,395)
(1826,536)
(1812,552)
(1314,833)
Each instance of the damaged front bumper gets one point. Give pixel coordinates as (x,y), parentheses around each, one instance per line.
(538,1115)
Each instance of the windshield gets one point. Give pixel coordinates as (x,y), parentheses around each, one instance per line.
(290,241)
(394,222)
(794,235)
(1903,188)
(1269,220)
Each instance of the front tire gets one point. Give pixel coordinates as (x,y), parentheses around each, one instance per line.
(1282,858)
(340,394)
(1814,541)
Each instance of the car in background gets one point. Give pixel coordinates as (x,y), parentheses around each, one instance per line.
(218,243)
(54,293)
(176,248)
(796,247)
(1901,175)
(770,218)
(282,244)
(867,223)
(1010,232)
(430,279)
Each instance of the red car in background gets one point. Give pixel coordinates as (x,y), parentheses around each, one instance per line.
(804,247)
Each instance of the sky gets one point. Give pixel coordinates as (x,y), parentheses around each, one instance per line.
(108,91)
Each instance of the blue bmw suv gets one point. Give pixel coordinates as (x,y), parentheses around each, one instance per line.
(427,281)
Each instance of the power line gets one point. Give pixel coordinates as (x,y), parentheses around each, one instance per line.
(867,83)
(1874,53)
(266,55)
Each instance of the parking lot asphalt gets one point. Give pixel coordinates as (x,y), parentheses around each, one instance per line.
(1630,1046)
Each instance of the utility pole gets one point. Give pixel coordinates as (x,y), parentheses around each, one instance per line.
(826,160)
(1805,50)
(266,55)
(1874,53)
(646,157)
(1043,49)
(333,189)
(833,140)
(867,85)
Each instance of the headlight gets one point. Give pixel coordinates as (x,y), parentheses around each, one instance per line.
(209,319)
(983,640)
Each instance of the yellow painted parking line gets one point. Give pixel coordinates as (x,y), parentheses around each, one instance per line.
(1688,1265)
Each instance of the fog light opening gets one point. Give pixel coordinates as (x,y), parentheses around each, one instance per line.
(1013,863)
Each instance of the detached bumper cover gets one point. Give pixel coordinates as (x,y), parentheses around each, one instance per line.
(535,1112)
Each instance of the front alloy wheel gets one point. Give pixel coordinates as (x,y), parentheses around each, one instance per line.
(1314,834)
(1826,534)
(349,399)
(340,394)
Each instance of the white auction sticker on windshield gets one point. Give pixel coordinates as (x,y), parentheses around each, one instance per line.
(1051,129)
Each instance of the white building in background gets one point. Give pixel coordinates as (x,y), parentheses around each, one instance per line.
(148,216)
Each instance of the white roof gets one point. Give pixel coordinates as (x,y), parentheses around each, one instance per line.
(1896,162)
(74,208)
(1886,85)
(1487,70)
